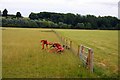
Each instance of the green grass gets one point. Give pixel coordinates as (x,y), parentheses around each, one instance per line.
(23,57)
(105,46)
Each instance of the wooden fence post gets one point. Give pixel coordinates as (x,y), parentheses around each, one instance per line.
(91,60)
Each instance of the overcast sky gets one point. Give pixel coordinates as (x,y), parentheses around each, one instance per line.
(83,7)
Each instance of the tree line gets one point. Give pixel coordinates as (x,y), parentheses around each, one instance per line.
(5,14)
(60,20)
(78,21)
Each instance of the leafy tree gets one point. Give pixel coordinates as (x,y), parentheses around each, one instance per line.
(88,26)
(0,13)
(61,20)
(5,13)
(93,20)
(69,18)
(117,26)
(80,26)
(18,15)
(33,16)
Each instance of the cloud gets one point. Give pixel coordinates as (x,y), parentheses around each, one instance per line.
(95,7)
(108,4)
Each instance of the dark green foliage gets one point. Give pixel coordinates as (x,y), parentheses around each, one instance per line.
(117,26)
(27,23)
(18,15)
(20,22)
(5,12)
(0,13)
(33,16)
(61,20)
(78,21)
(11,16)
(80,26)
(88,26)
(107,22)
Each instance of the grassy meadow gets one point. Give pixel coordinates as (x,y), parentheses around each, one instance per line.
(22,56)
(105,46)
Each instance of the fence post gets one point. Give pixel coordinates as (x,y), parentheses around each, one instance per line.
(88,59)
(78,50)
(91,60)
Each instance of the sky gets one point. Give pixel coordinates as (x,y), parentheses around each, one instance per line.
(119,10)
(83,7)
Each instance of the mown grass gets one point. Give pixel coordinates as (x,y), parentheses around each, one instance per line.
(23,58)
(105,46)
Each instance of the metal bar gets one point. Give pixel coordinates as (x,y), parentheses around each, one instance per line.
(86,57)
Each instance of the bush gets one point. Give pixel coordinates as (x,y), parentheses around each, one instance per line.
(27,23)
(18,22)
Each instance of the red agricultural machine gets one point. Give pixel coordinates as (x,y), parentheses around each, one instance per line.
(54,47)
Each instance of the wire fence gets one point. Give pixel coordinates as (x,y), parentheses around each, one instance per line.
(84,53)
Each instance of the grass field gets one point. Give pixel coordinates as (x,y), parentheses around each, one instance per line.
(23,58)
(105,46)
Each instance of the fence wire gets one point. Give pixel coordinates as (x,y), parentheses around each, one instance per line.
(75,48)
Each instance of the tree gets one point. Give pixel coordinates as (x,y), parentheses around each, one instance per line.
(88,26)
(33,16)
(80,26)
(18,14)
(117,26)
(0,13)
(5,13)
(93,20)
(69,18)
